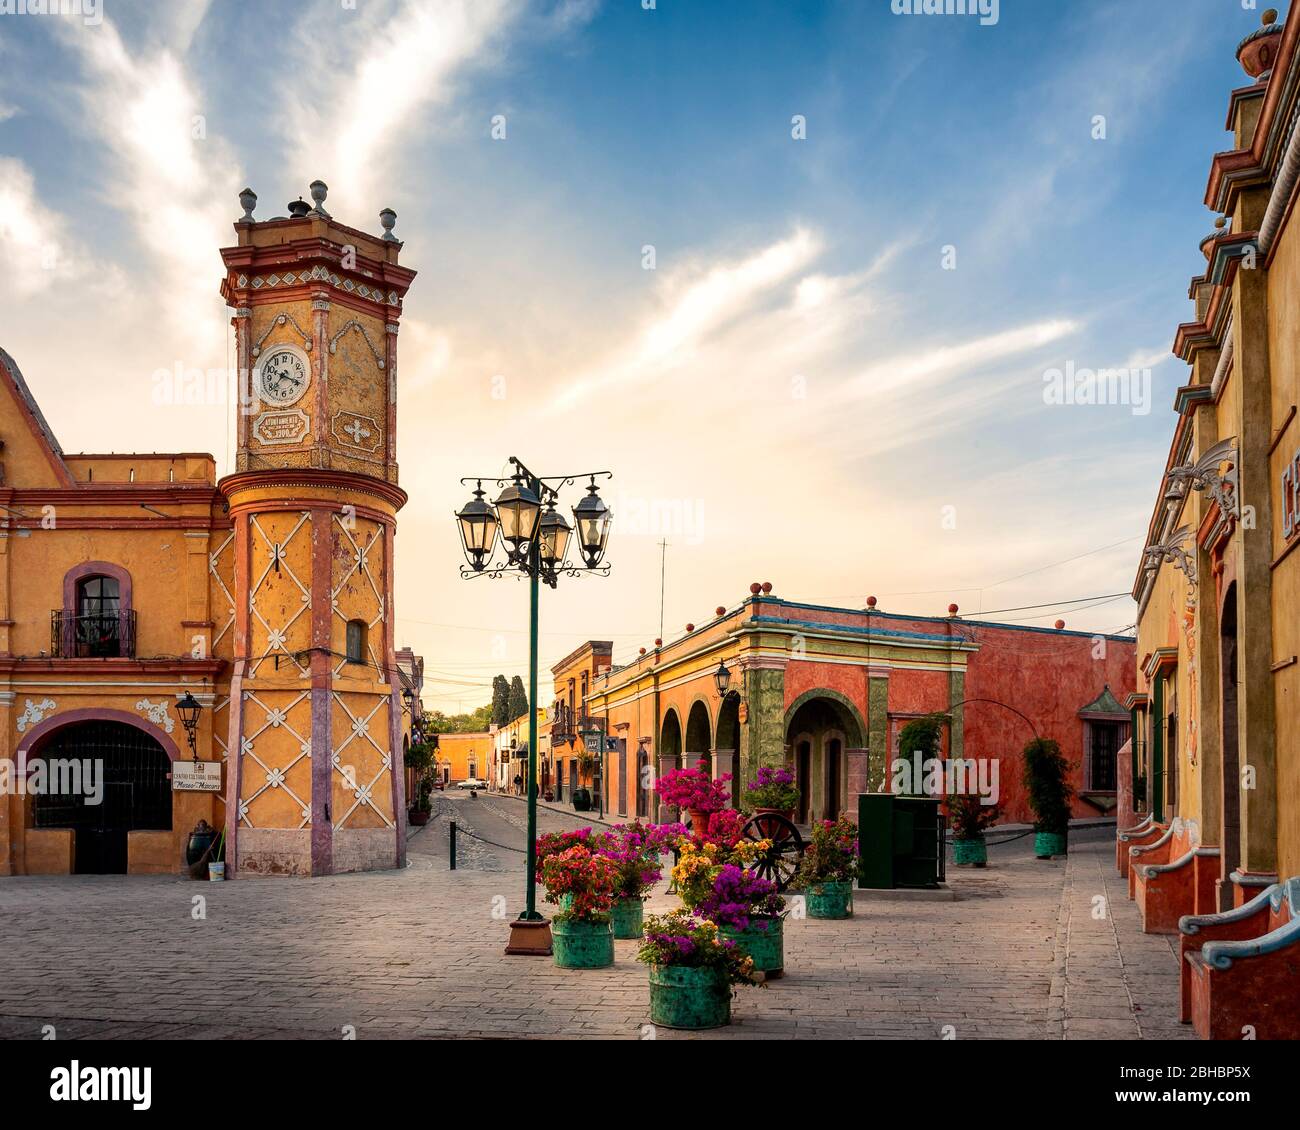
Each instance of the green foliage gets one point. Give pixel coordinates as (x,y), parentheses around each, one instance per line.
(923,736)
(968,818)
(420,757)
(436,722)
(500,701)
(518,700)
(1046,778)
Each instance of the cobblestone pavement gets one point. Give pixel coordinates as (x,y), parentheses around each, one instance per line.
(418,953)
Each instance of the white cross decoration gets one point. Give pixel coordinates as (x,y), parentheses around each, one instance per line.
(358,431)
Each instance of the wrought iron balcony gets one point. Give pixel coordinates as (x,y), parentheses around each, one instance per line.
(107,635)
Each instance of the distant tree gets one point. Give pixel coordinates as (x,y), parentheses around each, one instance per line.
(500,700)
(518,699)
(436,722)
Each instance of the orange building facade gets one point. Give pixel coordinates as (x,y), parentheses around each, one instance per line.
(130,581)
(826,691)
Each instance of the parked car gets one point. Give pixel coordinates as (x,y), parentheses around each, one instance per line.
(472,783)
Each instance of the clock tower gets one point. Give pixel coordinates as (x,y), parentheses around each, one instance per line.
(314,762)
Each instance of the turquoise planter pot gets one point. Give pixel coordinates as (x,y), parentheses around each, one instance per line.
(626,918)
(1048,844)
(970,853)
(829,900)
(764,941)
(579,944)
(682,997)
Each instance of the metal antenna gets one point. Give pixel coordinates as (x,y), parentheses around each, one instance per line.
(663,566)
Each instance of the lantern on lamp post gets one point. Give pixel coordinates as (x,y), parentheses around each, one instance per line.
(535,538)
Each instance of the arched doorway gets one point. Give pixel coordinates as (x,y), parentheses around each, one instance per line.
(670,739)
(820,726)
(127,769)
(698,732)
(1230,847)
(728,741)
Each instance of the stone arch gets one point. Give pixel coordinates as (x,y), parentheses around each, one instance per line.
(670,735)
(30,743)
(852,722)
(698,738)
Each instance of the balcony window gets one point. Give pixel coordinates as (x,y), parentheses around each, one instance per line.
(97,626)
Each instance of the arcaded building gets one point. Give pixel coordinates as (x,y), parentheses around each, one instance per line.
(826,691)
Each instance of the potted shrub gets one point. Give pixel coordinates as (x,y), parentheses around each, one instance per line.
(695,792)
(423,806)
(772,791)
(828,867)
(634,850)
(692,971)
(712,881)
(581,882)
(1047,783)
(968,817)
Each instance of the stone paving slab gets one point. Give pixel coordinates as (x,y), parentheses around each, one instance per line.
(419,953)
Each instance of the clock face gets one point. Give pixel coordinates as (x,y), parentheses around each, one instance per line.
(282,377)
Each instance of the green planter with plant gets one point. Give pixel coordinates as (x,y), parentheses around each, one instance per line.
(828,867)
(968,817)
(1046,778)
(581,882)
(772,791)
(692,971)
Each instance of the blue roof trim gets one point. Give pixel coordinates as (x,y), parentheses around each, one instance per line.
(862,630)
(877,614)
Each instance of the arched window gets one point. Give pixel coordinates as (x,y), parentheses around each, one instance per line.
(356,641)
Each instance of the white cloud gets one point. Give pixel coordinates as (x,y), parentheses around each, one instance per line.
(355,88)
(35,246)
(173,180)
(699,300)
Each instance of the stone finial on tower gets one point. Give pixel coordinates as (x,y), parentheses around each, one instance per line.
(319,189)
(388,218)
(247,201)
(1258,51)
(299,208)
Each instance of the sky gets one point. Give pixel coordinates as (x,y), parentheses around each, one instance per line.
(799,274)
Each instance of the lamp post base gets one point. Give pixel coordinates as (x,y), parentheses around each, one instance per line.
(530,938)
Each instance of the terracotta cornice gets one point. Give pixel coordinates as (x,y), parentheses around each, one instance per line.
(1215,529)
(1190,338)
(81,668)
(1137,698)
(131,495)
(313,478)
(1160,660)
(1231,171)
(1192,396)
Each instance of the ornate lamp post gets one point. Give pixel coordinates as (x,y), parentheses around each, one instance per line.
(535,539)
(188,708)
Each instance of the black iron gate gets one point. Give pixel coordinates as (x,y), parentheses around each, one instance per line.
(134,774)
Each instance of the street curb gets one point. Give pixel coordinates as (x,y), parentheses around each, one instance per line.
(562,809)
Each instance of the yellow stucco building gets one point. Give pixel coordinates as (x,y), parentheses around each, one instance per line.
(130,581)
(1217,708)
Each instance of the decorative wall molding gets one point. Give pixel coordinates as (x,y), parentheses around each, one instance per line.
(353,324)
(280,320)
(157,713)
(35,712)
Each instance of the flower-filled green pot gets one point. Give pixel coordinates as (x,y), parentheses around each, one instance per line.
(626,917)
(970,853)
(829,899)
(580,943)
(1048,844)
(764,941)
(689,997)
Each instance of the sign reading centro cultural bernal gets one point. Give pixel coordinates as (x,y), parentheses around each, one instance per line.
(196,776)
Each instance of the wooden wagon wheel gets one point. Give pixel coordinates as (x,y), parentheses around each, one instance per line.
(781,861)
